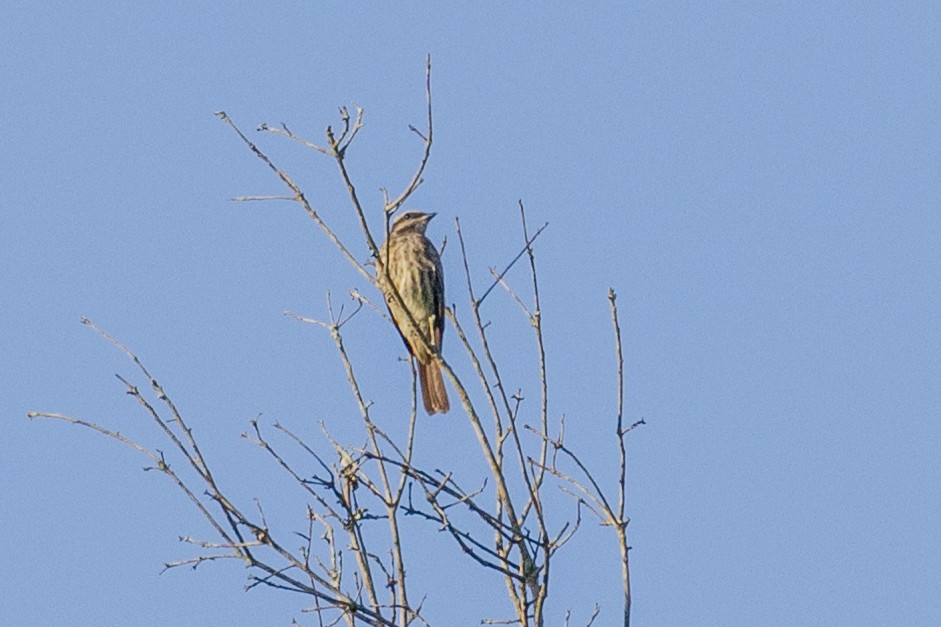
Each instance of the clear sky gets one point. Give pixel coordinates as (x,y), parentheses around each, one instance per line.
(758,181)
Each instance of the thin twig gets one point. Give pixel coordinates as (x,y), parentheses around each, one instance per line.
(298,197)
(393,205)
(529,243)
(622,520)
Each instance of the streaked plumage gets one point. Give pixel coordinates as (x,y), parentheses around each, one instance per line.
(415,270)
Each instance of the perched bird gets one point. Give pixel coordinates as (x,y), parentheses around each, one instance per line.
(414,268)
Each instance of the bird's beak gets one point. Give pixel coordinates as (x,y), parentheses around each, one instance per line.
(431,215)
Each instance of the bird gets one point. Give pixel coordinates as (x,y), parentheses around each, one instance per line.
(412,265)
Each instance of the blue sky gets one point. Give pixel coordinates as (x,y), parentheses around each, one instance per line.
(758,181)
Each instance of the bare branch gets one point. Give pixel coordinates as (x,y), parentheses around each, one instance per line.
(529,243)
(391,206)
(260,198)
(298,197)
(286,132)
(621,520)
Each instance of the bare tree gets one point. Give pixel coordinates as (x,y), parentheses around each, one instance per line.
(352,562)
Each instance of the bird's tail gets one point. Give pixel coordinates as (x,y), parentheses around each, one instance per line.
(432,388)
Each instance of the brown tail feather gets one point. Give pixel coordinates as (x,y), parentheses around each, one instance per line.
(432,389)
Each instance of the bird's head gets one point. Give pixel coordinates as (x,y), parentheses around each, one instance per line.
(412,221)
